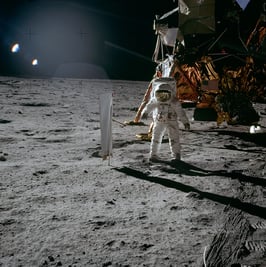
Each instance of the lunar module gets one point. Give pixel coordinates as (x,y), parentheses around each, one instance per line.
(216,53)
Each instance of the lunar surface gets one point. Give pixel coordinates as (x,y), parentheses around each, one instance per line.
(63,205)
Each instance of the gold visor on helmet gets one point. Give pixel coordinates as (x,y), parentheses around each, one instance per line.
(162,95)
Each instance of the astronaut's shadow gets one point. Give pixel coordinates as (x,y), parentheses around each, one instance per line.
(181,167)
(234,202)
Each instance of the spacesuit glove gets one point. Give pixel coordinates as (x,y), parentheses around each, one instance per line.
(187,126)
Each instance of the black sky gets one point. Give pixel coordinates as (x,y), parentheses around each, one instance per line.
(77,38)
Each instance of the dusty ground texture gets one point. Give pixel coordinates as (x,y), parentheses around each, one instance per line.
(62,205)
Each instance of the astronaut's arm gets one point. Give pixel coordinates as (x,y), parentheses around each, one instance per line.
(143,103)
(182,116)
(147,110)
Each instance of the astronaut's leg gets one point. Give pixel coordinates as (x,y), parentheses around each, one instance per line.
(156,140)
(174,142)
(150,130)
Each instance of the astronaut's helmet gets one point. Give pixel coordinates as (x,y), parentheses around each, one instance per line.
(164,90)
(163,93)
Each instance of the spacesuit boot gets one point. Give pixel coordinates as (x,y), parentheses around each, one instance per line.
(153,157)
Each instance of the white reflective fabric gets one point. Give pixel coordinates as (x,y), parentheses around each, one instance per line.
(183,8)
(169,13)
(169,36)
(106,113)
(201,18)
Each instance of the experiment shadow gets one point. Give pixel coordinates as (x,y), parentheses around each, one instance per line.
(258,138)
(233,202)
(185,168)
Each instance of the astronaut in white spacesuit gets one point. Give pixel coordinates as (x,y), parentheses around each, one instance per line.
(167,110)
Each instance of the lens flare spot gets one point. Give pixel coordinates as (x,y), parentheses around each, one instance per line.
(34,62)
(15,48)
